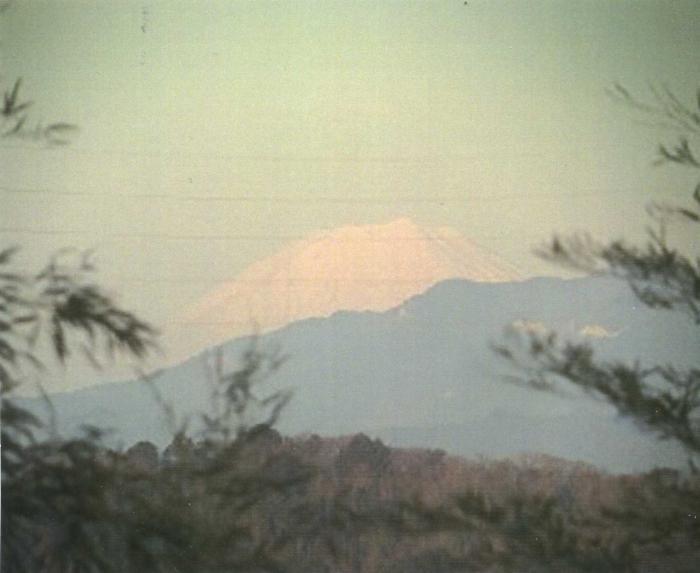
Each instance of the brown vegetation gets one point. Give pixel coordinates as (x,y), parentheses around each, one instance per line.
(359,505)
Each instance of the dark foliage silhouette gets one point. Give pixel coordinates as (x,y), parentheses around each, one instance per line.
(663,399)
(75,505)
(16,123)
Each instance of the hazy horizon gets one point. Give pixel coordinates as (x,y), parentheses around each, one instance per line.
(212,140)
(209,135)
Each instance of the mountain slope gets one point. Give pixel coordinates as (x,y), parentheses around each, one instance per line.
(423,374)
(371,267)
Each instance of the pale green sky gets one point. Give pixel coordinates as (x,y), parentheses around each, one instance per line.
(491,118)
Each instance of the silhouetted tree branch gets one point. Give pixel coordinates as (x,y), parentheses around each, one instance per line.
(663,399)
(72,504)
(15,121)
(15,118)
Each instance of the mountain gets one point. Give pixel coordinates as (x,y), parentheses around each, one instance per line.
(371,267)
(422,374)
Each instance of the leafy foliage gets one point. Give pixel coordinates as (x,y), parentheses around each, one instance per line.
(523,531)
(660,398)
(660,275)
(424,511)
(74,505)
(53,488)
(15,121)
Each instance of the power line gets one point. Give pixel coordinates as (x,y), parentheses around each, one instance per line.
(306,199)
(281,158)
(140,235)
(213,237)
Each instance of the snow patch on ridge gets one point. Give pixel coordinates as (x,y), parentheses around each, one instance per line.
(369,267)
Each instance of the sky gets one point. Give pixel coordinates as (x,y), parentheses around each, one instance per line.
(213,133)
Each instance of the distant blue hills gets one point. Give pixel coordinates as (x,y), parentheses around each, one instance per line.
(424,375)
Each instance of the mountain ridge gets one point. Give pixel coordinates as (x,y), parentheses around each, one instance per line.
(427,362)
(356,267)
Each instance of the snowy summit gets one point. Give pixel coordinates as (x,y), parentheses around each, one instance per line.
(369,267)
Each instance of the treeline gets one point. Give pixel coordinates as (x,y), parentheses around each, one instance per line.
(353,504)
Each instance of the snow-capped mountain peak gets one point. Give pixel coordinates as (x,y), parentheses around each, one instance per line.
(368,267)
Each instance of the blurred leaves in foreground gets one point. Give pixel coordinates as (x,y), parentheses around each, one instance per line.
(663,399)
(16,122)
(71,504)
